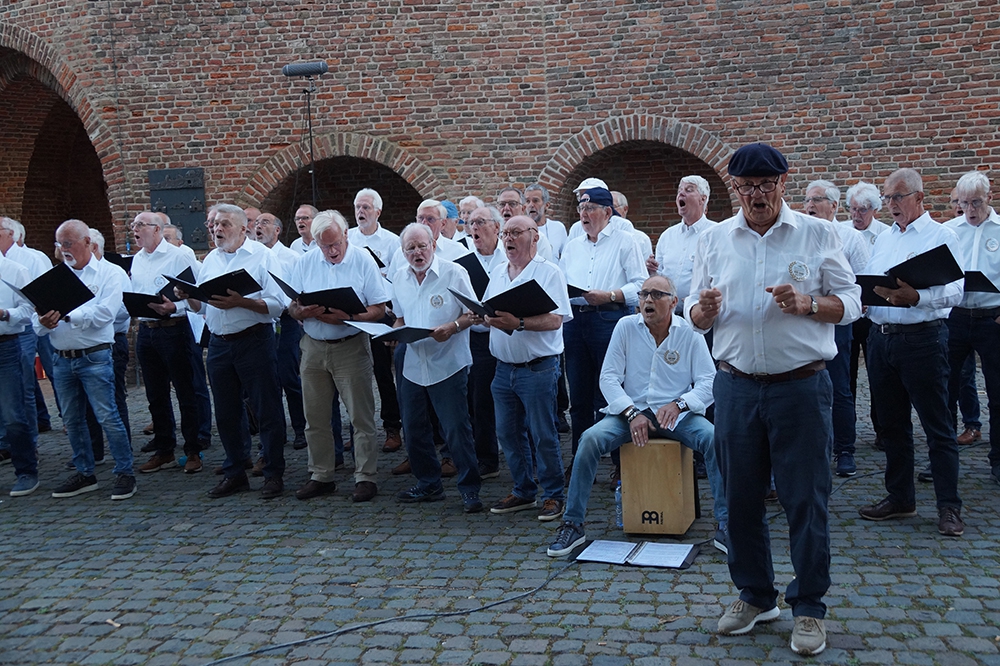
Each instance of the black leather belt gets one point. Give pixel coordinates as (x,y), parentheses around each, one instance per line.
(888,329)
(339,340)
(8,338)
(228,337)
(163,323)
(607,307)
(534,361)
(77,353)
(978,313)
(804,372)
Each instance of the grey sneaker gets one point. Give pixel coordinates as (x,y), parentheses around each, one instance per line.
(741,617)
(569,536)
(808,636)
(25,485)
(124,487)
(75,485)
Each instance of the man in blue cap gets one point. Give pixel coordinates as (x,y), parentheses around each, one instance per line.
(772,283)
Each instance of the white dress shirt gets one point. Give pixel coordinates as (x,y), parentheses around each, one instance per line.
(875,228)
(637,372)
(980,247)
(36,261)
(357,270)
(640,237)
(555,232)
(613,262)
(189,253)
(675,253)
(19,309)
(287,258)
(447,249)
(299,245)
(382,242)
(488,262)
(429,305)
(122,318)
(856,249)
(92,323)
(258,261)
(896,246)
(751,332)
(524,346)
(148,269)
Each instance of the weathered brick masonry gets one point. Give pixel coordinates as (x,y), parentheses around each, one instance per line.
(442,99)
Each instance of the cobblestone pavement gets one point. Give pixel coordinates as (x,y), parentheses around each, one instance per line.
(173,577)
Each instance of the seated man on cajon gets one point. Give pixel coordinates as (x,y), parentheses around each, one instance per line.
(657,378)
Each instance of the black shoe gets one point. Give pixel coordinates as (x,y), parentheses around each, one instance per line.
(230,486)
(925,474)
(569,536)
(418,494)
(76,485)
(4,456)
(721,540)
(150,446)
(124,487)
(561,425)
(315,489)
(273,487)
(299,442)
(471,503)
(486,472)
(44,426)
(887,509)
(845,464)
(699,468)
(615,477)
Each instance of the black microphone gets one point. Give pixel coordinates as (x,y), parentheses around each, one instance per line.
(306,68)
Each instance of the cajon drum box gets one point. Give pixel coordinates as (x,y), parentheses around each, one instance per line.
(657,487)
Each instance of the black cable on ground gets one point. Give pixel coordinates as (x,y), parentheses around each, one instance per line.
(375,623)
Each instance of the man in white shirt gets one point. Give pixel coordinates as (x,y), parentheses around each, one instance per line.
(435,370)
(605,262)
(241,354)
(83,368)
(822,200)
(524,386)
(908,366)
(337,356)
(252,215)
(465,208)
(165,347)
(974,325)
(384,245)
(772,283)
(621,205)
(536,205)
(657,379)
(431,213)
(303,224)
(675,248)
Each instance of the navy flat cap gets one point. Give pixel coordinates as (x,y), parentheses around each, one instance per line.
(757,159)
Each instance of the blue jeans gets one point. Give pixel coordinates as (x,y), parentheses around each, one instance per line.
(694,431)
(91,379)
(17,430)
(526,406)
(164,354)
(844,416)
(785,427)
(910,371)
(248,364)
(967,335)
(586,339)
(28,343)
(484,367)
(448,400)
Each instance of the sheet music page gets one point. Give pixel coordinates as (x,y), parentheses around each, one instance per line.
(668,555)
(610,552)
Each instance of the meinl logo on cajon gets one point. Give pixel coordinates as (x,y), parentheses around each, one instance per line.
(651,518)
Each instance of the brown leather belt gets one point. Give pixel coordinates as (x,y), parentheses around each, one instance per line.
(163,323)
(229,337)
(804,372)
(78,353)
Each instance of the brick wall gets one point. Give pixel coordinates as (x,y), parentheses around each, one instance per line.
(466,97)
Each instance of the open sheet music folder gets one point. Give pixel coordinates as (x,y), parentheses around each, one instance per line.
(644,554)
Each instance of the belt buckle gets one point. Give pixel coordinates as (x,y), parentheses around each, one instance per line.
(883,329)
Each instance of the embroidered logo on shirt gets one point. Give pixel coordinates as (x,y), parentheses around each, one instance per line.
(671,356)
(798,270)
(93,288)
(436,301)
(872,240)
(992,244)
(160,281)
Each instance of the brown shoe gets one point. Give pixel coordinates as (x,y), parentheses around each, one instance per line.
(258,467)
(392,441)
(512,503)
(218,471)
(315,489)
(968,437)
(148,430)
(950,521)
(448,468)
(551,509)
(364,491)
(771,496)
(402,468)
(193,465)
(158,462)
(887,509)
(230,486)
(273,487)
(615,477)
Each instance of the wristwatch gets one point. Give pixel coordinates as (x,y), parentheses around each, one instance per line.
(681,404)
(520,326)
(813,307)
(613,296)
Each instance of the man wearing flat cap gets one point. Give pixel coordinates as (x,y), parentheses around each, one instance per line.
(772,283)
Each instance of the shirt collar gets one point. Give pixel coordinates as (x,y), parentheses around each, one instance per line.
(785,216)
(918,224)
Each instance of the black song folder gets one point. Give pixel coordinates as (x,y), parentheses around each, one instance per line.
(868,284)
(239,281)
(928,269)
(138,305)
(977,281)
(57,289)
(477,274)
(341,298)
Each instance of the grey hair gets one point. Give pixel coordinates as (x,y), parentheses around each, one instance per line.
(369,192)
(909,177)
(974,181)
(537,187)
(511,188)
(436,205)
(230,209)
(415,226)
(180,233)
(472,199)
(864,193)
(313,211)
(8,223)
(325,220)
(700,184)
(831,191)
(97,238)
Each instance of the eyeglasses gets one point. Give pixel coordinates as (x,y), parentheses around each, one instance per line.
(810,200)
(427,219)
(507,204)
(512,234)
(896,198)
(67,245)
(139,225)
(302,218)
(415,249)
(747,189)
(975,203)
(588,208)
(860,210)
(655,294)
(479,223)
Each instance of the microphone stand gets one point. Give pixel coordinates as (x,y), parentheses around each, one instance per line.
(312,169)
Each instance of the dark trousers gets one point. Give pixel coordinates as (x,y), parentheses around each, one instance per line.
(910,370)
(383,368)
(481,407)
(967,335)
(859,343)
(586,340)
(844,417)
(289,355)
(166,356)
(248,364)
(786,428)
